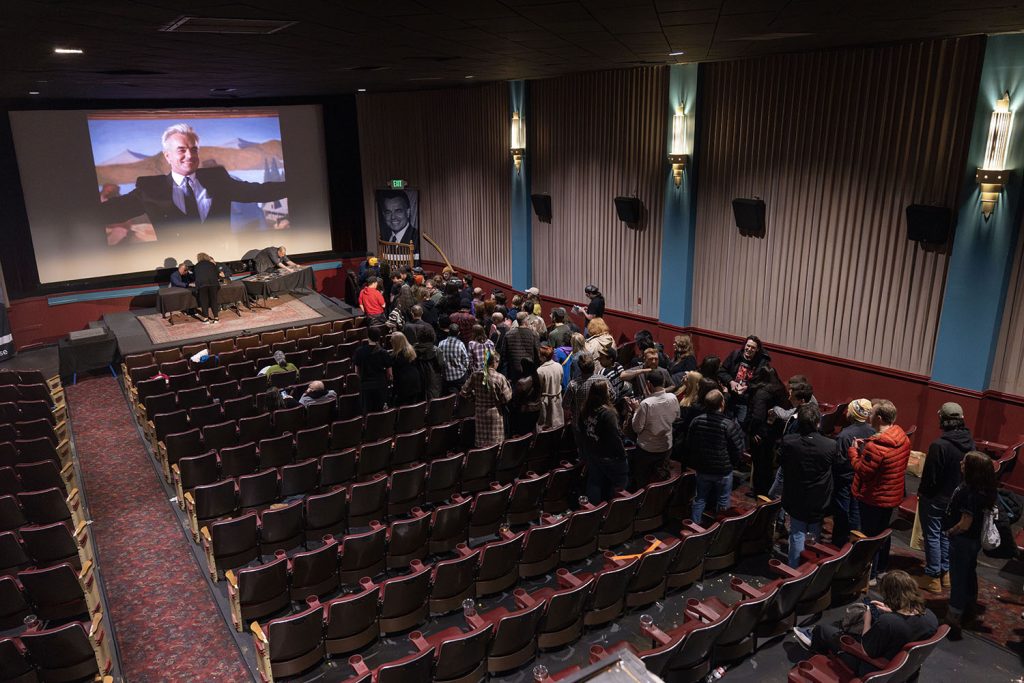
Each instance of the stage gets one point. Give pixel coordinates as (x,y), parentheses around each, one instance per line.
(130,327)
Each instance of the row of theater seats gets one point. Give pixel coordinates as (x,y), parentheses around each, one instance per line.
(245,374)
(553,617)
(46,565)
(234,542)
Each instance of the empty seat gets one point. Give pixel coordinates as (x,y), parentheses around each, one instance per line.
(230,543)
(440,410)
(515,637)
(688,564)
(11,515)
(403,602)
(14,662)
(498,568)
(367,501)
(450,525)
(257,592)
(255,428)
(281,528)
(374,458)
(14,606)
(70,652)
(737,639)
(617,526)
(313,441)
(443,478)
(337,468)
(527,495)
(608,599)
(512,458)
(656,496)
(454,581)
(580,538)
(200,416)
(411,447)
(411,418)
(290,645)
(564,480)
(649,581)
(220,436)
(194,471)
(407,539)
(406,489)
(257,491)
(540,547)
(759,534)
(479,469)
(277,451)
(299,478)
(461,656)
(289,420)
(346,433)
(489,509)
(326,514)
(779,614)
(379,425)
(724,549)
(50,505)
(238,460)
(563,620)
(237,408)
(442,439)
(352,621)
(314,572)
(210,502)
(362,555)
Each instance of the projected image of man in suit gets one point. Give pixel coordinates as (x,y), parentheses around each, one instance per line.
(190,198)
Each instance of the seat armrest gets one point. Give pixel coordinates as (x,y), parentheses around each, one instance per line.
(785,571)
(234,600)
(851,647)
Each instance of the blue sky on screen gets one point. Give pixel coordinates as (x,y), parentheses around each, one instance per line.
(110,137)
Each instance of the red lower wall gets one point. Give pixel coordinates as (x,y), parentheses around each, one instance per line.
(990,415)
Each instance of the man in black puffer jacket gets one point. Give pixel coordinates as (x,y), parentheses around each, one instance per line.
(715,444)
(940,477)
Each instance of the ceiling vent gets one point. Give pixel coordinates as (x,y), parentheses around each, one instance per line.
(260,27)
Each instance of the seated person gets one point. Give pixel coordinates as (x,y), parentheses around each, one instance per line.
(281,364)
(316,392)
(900,617)
(181,277)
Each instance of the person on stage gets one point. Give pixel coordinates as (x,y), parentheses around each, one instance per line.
(275,259)
(181,277)
(208,276)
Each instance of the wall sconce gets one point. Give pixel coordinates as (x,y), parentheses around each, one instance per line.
(677,153)
(993,174)
(518,146)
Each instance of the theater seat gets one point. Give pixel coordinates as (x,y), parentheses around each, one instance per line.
(14,606)
(851,577)
(281,528)
(617,526)
(489,509)
(738,639)
(230,543)
(564,480)
(352,620)
(905,666)
(14,662)
(71,652)
(540,547)
(515,634)
(403,601)
(454,581)
(780,613)
(649,582)
(724,549)
(563,620)
(499,560)
(60,591)
(527,494)
(407,539)
(363,555)
(314,572)
(290,645)
(257,592)
(580,538)
(608,599)
(688,565)
(461,657)
(449,525)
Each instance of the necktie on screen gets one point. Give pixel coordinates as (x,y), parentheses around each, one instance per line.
(394,237)
(191,205)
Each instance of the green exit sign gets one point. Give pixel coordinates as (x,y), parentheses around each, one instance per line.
(397,184)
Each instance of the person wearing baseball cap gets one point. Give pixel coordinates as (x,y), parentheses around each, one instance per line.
(939,479)
(368,268)
(845,513)
(595,309)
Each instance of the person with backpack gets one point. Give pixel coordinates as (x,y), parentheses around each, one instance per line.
(939,478)
(965,516)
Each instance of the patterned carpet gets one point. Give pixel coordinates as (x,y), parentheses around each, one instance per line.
(284,311)
(167,624)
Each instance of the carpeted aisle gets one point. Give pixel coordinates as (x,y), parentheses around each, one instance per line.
(168,626)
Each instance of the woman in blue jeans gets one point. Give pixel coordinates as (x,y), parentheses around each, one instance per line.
(963,521)
(603,450)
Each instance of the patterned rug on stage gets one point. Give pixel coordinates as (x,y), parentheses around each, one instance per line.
(167,624)
(283,311)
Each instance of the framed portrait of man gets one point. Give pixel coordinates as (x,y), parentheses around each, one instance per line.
(398,217)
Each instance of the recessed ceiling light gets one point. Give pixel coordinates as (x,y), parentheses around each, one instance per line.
(33,92)
(470,76)
(361,90)
(676,54)
(67,51)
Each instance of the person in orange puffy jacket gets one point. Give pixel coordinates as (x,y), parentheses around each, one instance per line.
(879,465)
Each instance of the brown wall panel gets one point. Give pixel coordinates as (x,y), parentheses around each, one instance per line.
(837,143)
(452,146)
(594,137)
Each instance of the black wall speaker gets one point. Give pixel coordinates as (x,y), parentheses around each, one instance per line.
(542,206)
(929,224)
(749,215)
(629,209)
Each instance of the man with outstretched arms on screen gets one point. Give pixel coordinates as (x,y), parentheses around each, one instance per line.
(188,197)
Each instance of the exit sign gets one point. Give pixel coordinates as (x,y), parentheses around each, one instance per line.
(398,184)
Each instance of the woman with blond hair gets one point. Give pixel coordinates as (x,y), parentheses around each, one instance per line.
(900,617)
(599,338)
(408,385)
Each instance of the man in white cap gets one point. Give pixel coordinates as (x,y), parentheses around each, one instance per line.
(939,478)
(845,513)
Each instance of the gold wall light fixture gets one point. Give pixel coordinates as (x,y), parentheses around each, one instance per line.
(677,154)
(993,174)
(518,145)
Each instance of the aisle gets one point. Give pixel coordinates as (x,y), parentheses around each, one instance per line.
(168,626)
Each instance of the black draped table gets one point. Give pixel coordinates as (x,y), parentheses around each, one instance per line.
(89,353)
(173,299)
(274,283)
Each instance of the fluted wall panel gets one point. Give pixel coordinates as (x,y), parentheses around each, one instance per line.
(1008,368)
(452,146)
(838,144)
(593,137)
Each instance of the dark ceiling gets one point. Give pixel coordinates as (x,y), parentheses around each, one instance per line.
(338,46)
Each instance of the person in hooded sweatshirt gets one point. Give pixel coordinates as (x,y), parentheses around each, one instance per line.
(845,511)
(879,466)
(939,479)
